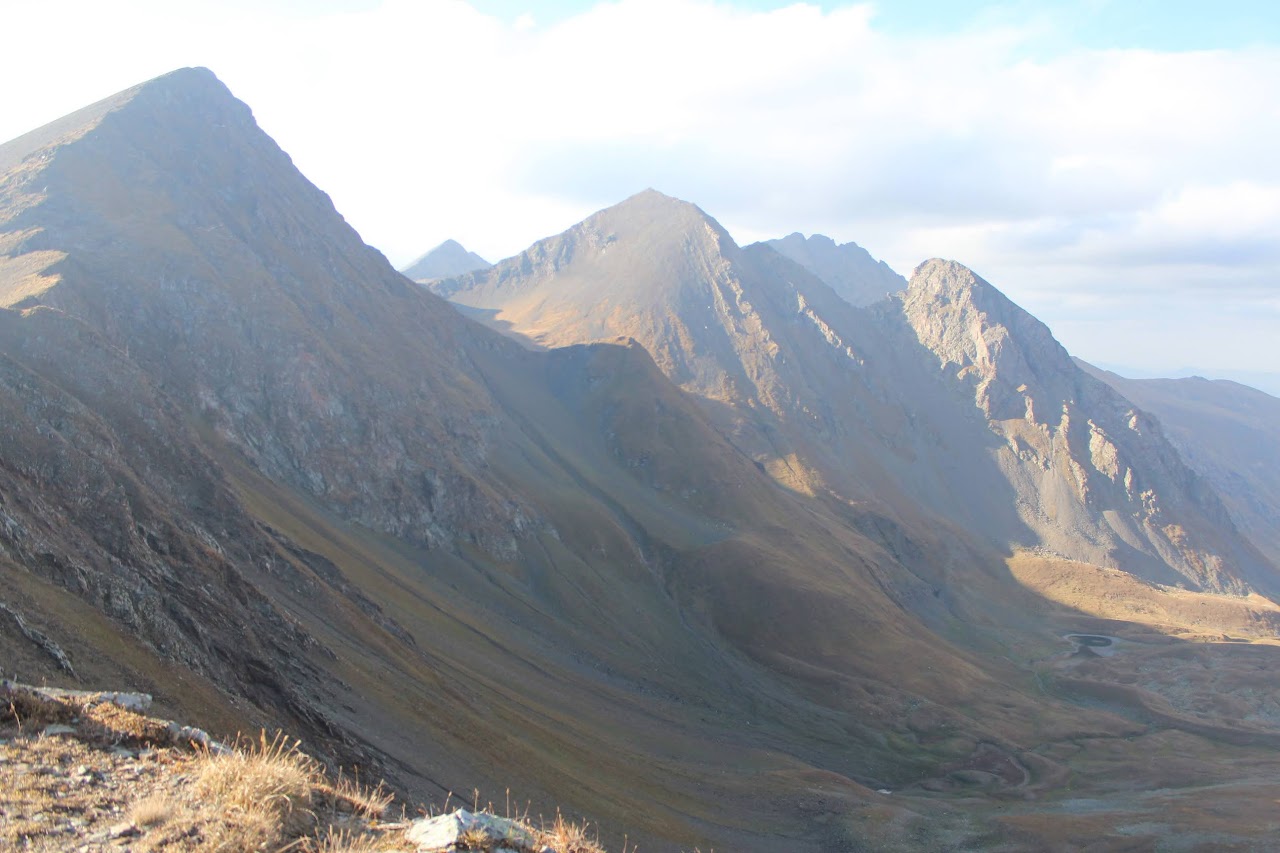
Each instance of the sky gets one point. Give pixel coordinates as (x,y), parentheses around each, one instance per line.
(1111,165)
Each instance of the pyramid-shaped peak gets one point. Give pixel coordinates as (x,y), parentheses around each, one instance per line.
(168,93)
(191,80)
(652,213)
(651,202)
(448,259)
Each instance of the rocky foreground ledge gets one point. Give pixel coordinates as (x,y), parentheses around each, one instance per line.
(88,772)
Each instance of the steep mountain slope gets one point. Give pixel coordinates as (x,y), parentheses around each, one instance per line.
(449,258)
(1096,478)
(857,277)
(1229,433)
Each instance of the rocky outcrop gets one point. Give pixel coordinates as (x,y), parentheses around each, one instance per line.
(1095,477)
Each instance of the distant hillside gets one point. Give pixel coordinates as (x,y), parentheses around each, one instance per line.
(449,258)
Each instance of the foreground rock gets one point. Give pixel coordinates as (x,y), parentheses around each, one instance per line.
(464,829)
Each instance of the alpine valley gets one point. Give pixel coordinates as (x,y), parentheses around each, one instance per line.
(753,548)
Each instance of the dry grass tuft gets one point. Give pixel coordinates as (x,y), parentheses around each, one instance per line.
(269,794)
(349,841)
(565,837)
(348,795)
(153,811)
(476,838)
(265,789)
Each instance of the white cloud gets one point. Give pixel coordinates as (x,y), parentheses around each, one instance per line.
(1073,179)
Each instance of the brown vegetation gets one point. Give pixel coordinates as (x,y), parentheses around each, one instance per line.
(67,780)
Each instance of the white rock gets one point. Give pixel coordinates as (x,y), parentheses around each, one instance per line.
(435,834)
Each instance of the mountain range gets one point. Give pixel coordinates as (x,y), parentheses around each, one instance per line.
(760,548)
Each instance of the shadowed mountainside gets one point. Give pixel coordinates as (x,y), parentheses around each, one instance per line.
(1087,466)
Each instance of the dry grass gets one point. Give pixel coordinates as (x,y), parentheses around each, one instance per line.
(152,811)
(264,794)
(565,837)
(59,792)
(348,841)
(270,794)
(476,838)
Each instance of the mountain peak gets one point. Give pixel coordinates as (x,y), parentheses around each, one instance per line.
(651,209)
(165,90)
(971,325)
(944,282)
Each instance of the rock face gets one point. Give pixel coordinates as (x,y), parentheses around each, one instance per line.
(449,258)
(1095,477)
(857,277)
(1228,433)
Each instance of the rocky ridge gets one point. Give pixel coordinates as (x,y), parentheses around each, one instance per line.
(851,271)
(866,404)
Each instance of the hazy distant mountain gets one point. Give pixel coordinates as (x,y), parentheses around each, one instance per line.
(449,258)
(1228,432)
(1268,382)
(850,270)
